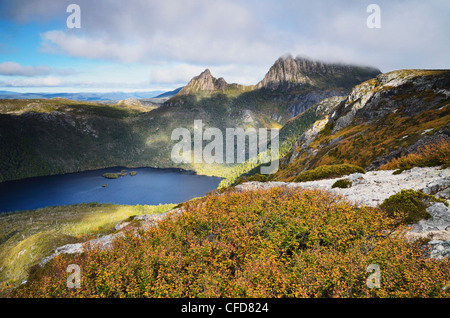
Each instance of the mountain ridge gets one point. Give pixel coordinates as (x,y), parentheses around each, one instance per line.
(379,120)
(288,71)
(91,136)
(204,82)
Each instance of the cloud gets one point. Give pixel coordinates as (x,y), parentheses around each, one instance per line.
(413,33)
(15,69)
(181,73)
(240,40)
(148,31)
(48,81)
(62,42)
(52,81)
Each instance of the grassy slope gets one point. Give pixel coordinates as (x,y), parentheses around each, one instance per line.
(232,245)
(268,243)
(28,236)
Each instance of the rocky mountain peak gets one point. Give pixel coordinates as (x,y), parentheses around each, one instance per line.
(204,82)
(288,72)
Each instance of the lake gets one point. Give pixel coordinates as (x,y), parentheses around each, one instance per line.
(149,186)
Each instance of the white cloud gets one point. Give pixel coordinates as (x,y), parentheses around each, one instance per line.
(48,81)
(180,73)
(240,40)
(61,42)
(222,32)
(195,31)
(16,69)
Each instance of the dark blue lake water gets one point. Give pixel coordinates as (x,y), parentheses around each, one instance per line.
(148,186)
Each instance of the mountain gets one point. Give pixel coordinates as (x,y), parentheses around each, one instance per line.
(204,82)
(52,136)
(389,116)
(290,86)
(257,235)
(288,72)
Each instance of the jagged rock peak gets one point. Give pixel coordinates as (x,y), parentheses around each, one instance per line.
(288,71)
(204,82)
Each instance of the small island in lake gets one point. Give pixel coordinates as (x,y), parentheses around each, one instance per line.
(111,175)
(115,175)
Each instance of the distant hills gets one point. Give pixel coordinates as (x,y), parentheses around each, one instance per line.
(101,97)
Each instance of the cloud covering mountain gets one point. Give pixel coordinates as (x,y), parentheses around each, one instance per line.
(238,40)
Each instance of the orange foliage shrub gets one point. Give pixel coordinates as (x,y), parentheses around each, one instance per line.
(434,154)
(268,243)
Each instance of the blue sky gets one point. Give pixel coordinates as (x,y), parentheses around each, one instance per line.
(153,45)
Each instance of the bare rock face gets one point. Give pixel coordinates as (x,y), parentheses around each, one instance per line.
(439,249)
(289,72)
(204,82)
(420,90)
(284,71)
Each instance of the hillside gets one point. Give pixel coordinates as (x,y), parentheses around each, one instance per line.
(278,242)
(52,136)
(381,119)
(309,230)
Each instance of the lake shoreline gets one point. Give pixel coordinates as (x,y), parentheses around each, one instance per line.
(149,186)
(174,169)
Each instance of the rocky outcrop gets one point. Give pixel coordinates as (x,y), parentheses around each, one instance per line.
(375,107)
(288,72)
(373,187)
(419,90)
(204,82)
(322,109)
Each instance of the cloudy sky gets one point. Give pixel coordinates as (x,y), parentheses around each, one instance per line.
(152,45)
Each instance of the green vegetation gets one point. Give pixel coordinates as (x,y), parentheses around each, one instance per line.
(269,243)
(28,236)
(110,175)
(287,136)
(342,183)
(256,177)
(327,172)
(133,173)
(409,206)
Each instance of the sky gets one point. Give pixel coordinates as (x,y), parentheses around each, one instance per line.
(145,45)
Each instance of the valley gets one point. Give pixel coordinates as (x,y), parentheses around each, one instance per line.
(297,232)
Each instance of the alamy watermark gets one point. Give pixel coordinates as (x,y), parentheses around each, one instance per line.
(74,19)
(239,146)
(374,279)
(74,279)
(374,19)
